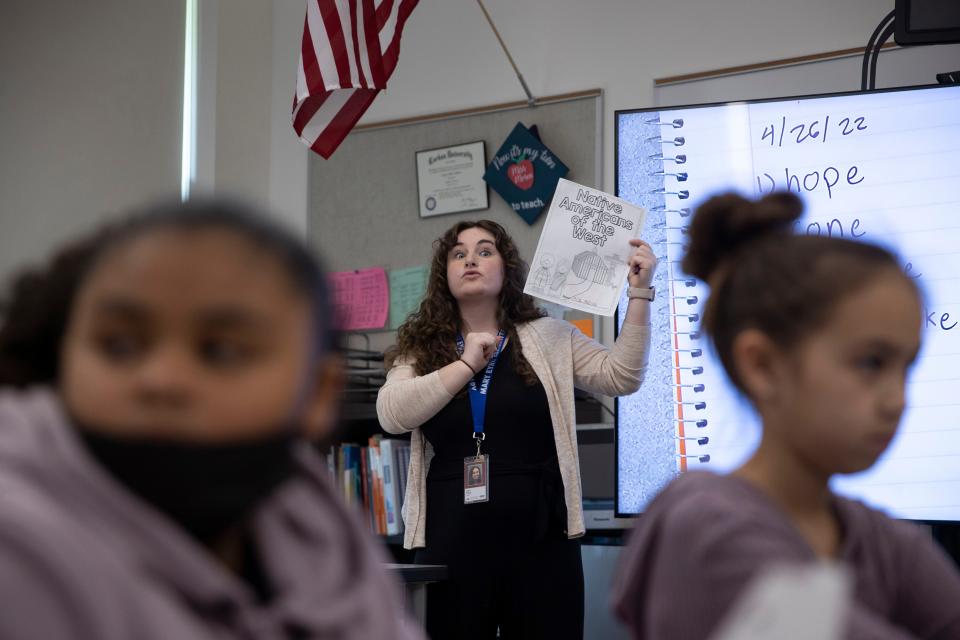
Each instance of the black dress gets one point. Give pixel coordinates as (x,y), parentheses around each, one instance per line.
(509,561)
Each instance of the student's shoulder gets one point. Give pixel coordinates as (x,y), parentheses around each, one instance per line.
(38,528)
(693,490)
(901,559)
(47,557)
(867,525)
(713,509)
(29,422)
(702,489)
(66,581)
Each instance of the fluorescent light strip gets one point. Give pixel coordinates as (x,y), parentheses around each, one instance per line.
(189,149)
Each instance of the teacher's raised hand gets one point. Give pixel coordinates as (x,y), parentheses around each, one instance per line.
(478,348)
(643,264)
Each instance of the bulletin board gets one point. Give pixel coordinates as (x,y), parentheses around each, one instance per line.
(363,203)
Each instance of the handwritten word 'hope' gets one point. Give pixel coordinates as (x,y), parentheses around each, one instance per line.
(826,179)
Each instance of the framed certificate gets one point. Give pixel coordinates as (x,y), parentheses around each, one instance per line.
(450,179)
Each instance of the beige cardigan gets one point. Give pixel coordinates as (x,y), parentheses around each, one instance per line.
(562,357)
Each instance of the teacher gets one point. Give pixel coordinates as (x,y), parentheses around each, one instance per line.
(485,384)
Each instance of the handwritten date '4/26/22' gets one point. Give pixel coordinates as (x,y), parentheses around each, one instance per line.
(824,179)
(814,131)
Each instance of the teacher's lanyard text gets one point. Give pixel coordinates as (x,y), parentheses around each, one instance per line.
(476,469)
(478,395)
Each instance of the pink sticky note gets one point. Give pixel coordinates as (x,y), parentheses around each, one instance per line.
(361,298)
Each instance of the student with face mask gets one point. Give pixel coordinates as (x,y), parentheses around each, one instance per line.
(819,334)
(159,385)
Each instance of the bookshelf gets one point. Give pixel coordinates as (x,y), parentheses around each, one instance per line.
(368,466)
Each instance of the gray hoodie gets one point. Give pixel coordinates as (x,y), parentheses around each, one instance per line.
(81,557)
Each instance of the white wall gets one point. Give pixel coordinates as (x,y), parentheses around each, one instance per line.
(450,59)
(244,85)
(67,89)
(288,157)
(90,113)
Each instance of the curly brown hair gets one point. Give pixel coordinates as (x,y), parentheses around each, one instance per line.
(428,336)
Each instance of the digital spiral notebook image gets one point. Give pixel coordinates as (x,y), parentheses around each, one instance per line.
(880,167)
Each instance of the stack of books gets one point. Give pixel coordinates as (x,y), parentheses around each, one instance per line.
(373,478)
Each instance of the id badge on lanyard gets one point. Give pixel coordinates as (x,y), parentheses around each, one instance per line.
(476,469)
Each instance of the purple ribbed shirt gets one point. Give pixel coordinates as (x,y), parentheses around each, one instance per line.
(705,536)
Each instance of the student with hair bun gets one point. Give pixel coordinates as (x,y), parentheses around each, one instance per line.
(819,334)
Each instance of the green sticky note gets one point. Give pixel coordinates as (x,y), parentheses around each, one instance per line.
(407,287)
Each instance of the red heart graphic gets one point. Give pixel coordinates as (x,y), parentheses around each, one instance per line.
(521,174)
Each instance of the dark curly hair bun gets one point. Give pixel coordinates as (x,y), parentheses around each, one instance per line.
(725,224)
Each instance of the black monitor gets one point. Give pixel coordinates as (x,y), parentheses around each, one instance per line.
(927,22)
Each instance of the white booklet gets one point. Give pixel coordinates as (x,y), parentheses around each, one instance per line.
(581,258)
(791,603)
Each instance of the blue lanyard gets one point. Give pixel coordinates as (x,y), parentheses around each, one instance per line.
(478,396)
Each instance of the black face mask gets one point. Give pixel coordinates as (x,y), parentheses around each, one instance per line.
(204,488)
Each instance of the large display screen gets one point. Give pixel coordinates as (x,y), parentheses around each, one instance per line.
(882,167)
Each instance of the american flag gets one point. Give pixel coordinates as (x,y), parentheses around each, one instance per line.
(349,50)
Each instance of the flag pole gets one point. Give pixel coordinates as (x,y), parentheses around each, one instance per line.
(531,101)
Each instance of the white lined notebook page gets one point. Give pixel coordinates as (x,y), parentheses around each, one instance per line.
(881,167)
